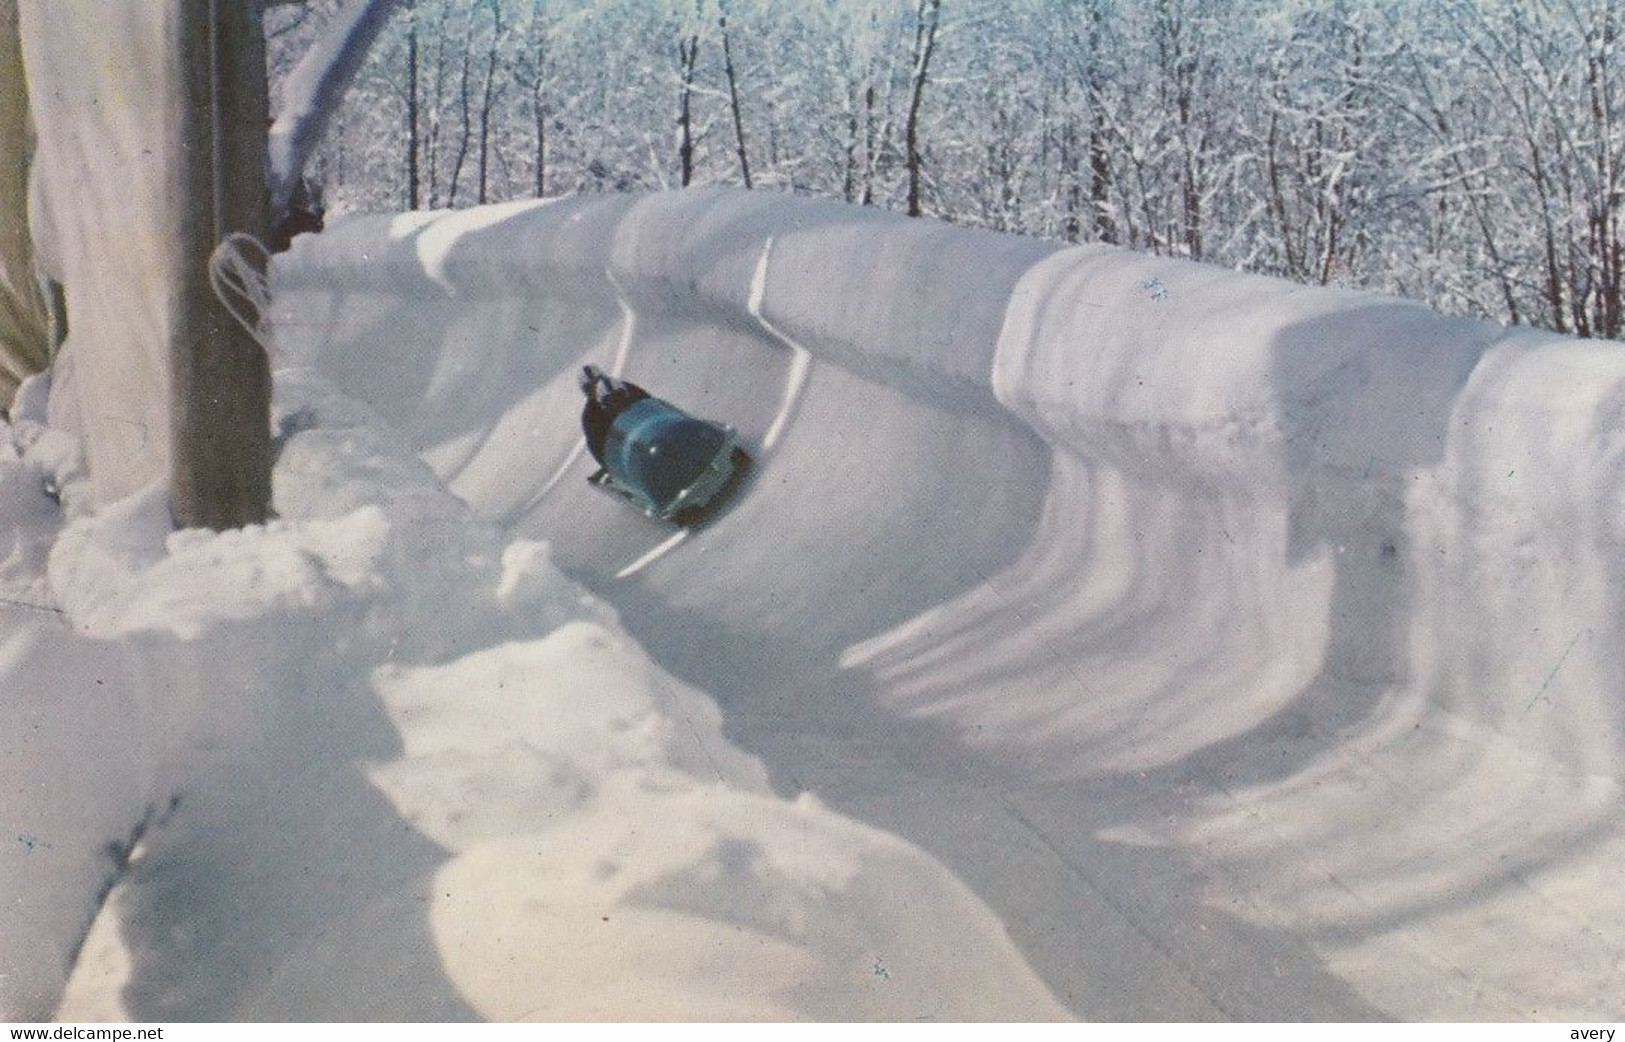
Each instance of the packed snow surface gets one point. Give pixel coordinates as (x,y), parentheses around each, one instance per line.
(1096,635)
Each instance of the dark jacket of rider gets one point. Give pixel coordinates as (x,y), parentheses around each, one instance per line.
(607,398)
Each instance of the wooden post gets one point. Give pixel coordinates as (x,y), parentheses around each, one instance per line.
(220,384)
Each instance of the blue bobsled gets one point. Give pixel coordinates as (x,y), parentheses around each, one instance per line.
(667,463)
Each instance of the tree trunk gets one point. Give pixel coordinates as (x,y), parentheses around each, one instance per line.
(1607,244)
(688,56)
(733,97)
(413,188)
(1100,186)
(488,98)
(540,112)
(869,144)
(1100,164)
(465,131)
(1277,202)
(431,148)
(928,14)
(1071,174)
(849,167)
(538,100)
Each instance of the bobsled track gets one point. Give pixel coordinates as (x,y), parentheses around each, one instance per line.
(1250,650)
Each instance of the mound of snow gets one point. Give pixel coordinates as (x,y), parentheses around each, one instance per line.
(376,761)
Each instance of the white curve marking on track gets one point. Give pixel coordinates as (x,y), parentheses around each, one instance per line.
(795,384)
(801,359)
(666,546)
(629,324)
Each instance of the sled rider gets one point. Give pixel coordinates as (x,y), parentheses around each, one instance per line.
(607,398)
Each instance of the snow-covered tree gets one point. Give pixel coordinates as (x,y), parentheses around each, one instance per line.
(1467,152)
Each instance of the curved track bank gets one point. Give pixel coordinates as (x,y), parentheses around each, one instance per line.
(1251,650)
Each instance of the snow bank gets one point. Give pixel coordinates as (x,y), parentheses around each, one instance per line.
(375,760)
(1205,599)
(1429,507)
(72,765)
(36,465)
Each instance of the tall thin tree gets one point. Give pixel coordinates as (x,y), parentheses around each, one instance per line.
(733,93)
(413,144)
(688,60)
(488,98)
(928,15)
(538,59)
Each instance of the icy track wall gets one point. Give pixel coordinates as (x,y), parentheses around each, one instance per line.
(1290,613)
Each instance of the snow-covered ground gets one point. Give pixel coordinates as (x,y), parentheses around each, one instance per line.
(1096,635)
(377,760)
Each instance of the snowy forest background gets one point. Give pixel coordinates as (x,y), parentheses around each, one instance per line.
(1469,153)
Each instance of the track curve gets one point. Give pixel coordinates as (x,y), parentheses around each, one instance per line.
(1154,638)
